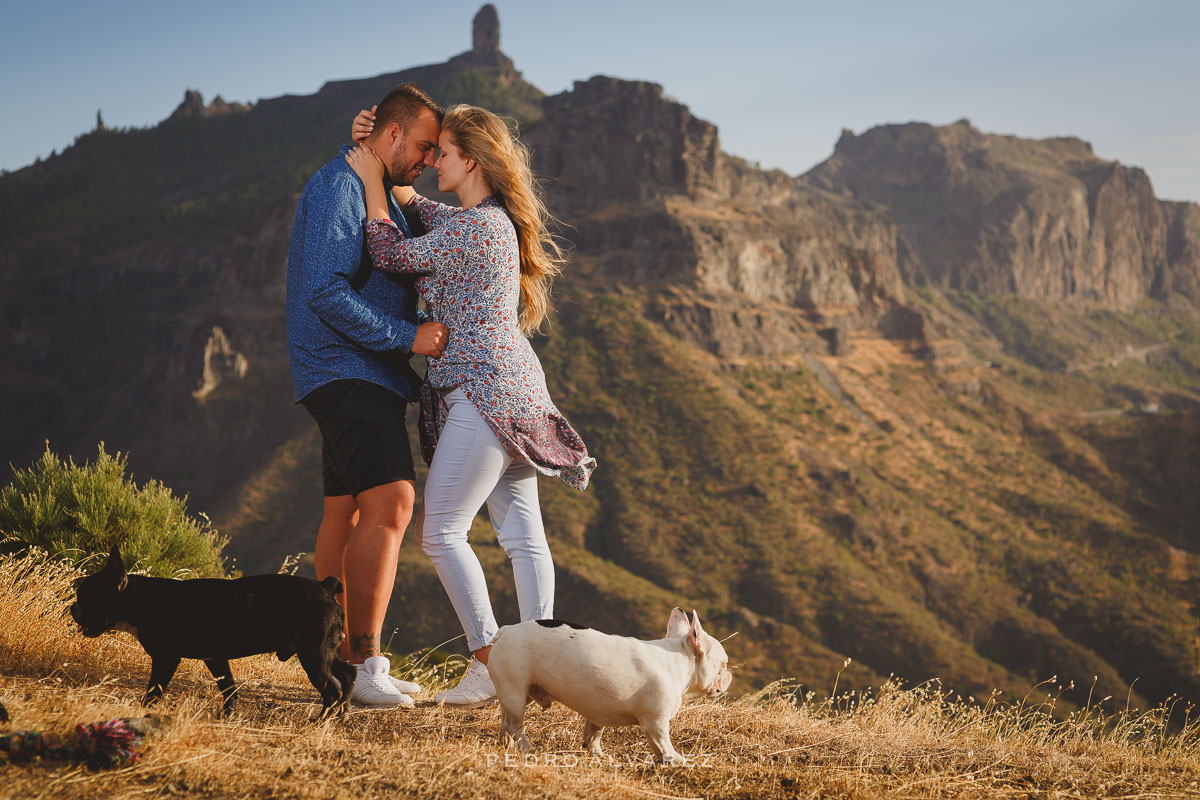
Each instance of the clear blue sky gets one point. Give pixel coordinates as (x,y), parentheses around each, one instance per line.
(779,79)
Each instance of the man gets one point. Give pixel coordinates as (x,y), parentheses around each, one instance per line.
(351,331)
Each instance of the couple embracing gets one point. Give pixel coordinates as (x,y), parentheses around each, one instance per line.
(364,246)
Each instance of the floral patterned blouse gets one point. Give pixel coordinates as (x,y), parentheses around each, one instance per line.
(470,282)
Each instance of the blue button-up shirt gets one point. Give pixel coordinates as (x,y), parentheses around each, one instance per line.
(345,319)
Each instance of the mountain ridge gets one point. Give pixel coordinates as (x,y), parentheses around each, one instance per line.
(1061,223)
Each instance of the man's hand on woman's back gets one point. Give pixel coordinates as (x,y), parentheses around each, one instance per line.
(431,339)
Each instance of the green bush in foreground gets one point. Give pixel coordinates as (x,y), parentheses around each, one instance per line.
(76,512)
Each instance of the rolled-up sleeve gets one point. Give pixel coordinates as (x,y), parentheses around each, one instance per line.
(333,249)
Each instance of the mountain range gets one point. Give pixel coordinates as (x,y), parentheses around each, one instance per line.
(931,406)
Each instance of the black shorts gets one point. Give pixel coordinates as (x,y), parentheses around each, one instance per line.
(364,441)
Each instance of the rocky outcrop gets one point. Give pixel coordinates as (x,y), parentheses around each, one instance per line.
(221,364)
(729,325)
(1183,252)
(1042,219)
(485,54)
(615,142)
(799,247)
(664,207)
(193,106)
(485,30)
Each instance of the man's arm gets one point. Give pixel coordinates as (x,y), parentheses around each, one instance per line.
(403,195)
(333,246)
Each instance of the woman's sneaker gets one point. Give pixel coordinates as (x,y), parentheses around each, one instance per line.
(373,686)
(473,691)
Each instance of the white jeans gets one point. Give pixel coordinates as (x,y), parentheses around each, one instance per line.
(470,467)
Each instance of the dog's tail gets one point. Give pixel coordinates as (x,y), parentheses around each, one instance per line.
(332,585)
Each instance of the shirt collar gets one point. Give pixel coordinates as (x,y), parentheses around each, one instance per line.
(387,182)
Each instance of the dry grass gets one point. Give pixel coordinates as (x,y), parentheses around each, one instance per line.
(895,743)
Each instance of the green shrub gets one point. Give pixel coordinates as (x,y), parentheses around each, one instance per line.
(76,512)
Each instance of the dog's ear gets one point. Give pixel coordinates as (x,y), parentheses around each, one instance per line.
(695,634)
(114,561)
(117,566)
(678,624)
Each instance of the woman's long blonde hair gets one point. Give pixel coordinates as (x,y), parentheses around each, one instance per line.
(504,159)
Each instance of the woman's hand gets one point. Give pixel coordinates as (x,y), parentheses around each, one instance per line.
(366,165)
(362,126)
(369,168)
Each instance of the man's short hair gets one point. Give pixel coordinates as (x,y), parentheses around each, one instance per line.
(403,105)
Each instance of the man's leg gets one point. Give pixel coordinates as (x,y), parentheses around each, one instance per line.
(367,471)
(370,560)
(337,523)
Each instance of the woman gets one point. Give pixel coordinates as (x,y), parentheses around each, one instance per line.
(488,425)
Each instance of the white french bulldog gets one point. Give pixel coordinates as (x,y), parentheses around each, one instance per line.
(610,680)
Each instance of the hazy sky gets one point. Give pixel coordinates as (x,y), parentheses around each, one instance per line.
(780,80)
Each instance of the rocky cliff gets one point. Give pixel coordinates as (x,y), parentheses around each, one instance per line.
(1182,279)
(1041,219)
(766,262)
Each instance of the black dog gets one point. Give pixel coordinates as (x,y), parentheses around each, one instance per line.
(216,620)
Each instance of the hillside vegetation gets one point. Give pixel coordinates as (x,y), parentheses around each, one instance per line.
(77,511)
(977,524)
(980,524)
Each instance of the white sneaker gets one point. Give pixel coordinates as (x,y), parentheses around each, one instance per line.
(373,686)
(408,687)
(473,691)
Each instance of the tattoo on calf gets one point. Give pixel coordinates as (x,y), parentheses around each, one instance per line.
(364,645)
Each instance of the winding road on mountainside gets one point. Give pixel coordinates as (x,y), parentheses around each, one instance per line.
(1129,353)
(1140,354)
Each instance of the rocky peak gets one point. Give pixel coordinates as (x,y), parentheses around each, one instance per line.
(485,31)
(485,46)
(915,153)
(193,106)
(616,141)
(1071,145)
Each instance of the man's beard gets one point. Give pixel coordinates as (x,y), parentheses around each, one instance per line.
(396,173)
(389,175)
(403,181)
(406,175)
